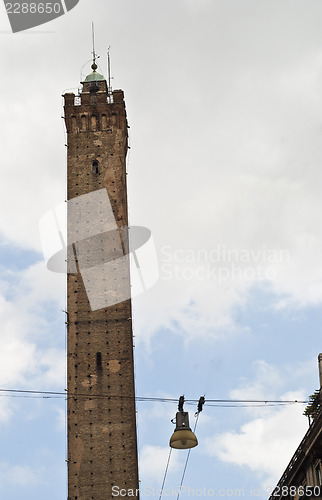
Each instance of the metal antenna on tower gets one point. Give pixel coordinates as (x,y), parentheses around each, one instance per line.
(109,71)
(95,56)
(93,40)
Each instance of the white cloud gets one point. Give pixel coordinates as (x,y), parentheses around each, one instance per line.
(17,352)
(153,461)
(264,445)
(29,358)
(5,410)
(252,186)
(38,285)
(61,419)
(268,379)
(22,475)
(229,155)
(266,442)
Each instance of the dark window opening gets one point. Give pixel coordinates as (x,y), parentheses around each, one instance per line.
(95,167)
(99,360)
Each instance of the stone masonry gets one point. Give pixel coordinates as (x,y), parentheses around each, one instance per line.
(102,448)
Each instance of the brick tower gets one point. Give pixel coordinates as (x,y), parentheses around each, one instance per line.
(102,448)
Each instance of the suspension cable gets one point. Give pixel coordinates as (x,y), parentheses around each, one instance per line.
(225,403)
(165,473)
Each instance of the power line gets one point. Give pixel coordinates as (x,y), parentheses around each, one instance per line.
(225,403)
(165,473)
(259,404)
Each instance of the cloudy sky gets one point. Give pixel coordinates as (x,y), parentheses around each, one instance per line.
(224,101)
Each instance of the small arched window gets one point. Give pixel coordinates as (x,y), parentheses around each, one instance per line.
(83,122)
(95,167)
(74,124)
(104,122)
(93,122)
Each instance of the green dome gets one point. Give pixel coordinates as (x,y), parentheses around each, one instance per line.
(94,77)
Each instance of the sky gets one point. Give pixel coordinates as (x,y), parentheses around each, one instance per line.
(224,103)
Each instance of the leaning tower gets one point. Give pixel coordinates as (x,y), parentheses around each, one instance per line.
(102,447)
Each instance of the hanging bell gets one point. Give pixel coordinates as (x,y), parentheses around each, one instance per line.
(183,437)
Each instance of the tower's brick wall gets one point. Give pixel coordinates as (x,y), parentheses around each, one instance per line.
(102,449)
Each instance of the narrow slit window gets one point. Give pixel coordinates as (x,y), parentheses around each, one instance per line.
(83,122)
(95,167)
(94,121)
(99,360)
(104,122)
(74,124)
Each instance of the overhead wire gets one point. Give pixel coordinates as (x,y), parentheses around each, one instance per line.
(165,473)
(224,403)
